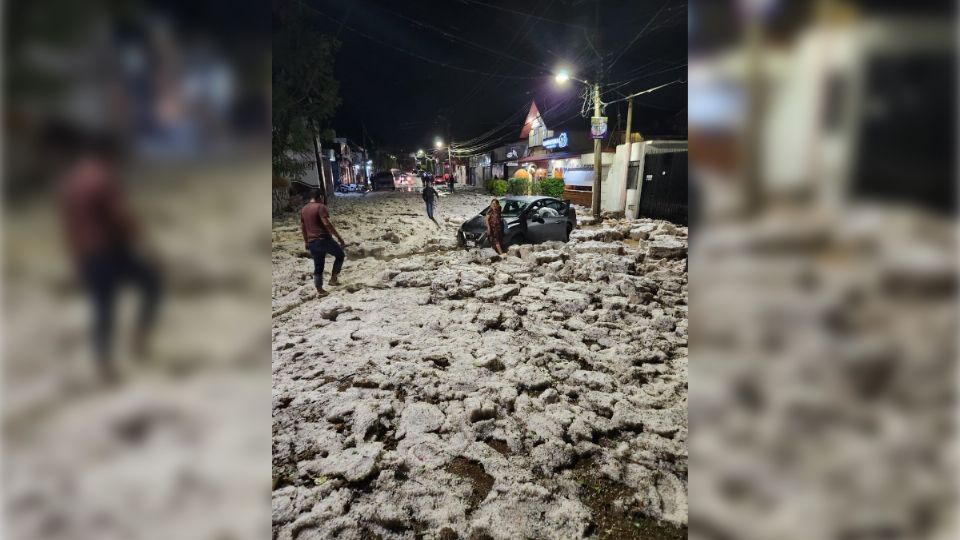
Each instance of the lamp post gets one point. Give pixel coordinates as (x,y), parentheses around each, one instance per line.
(439,144)
(563,76)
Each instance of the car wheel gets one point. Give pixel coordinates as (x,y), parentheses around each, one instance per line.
(569,229)
(461,241)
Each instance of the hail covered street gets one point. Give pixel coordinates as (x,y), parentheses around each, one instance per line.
(440,392)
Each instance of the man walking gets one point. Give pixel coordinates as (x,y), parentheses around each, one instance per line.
(429,196)
(106,240)
(317,230)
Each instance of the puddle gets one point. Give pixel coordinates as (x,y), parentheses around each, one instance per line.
(614,522)
(500,446)
(480,482)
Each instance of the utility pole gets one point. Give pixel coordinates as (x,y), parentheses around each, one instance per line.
(596,112)
(596,155)
(626,169)
(321,178)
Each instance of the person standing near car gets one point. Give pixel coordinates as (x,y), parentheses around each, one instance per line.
(317,230)
(429,196)
(495,226)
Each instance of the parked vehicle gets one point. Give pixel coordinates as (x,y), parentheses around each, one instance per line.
(383,181)
(526,220)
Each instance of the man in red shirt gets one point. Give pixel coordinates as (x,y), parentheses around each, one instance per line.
(104,236)
(317,230)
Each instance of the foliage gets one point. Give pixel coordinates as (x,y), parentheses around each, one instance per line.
(305,94)
(518,186)
(552,187)
(498,187)
(534,187)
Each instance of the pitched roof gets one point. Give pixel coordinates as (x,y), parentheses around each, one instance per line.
(531,116)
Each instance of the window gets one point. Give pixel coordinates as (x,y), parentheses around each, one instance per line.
(512,208)
(558,206)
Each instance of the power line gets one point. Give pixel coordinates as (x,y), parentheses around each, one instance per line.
(639,34)
(640,93)
(457,38)
(415,55)
(501,8)
(525,31)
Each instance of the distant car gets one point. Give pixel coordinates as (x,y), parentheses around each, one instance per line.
(383,181)
(526,220)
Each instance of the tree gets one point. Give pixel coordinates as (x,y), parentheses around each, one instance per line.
(305,93)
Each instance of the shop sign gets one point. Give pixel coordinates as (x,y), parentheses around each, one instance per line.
(598,127)
(512,153)
(559,141)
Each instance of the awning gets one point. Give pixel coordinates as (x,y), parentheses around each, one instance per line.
(548,157)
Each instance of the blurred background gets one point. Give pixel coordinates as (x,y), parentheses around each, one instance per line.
(823,269)
(137,166)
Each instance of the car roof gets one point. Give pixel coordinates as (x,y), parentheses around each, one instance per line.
(525,198)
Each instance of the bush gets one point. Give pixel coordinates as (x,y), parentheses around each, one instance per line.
(498,187)
(551,187)
(518,186)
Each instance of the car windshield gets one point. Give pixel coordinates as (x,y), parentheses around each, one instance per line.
(512,207)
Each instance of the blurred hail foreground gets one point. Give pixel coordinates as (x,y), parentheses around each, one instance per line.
(141,128)
(823,312)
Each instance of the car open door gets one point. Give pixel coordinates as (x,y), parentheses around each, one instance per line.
(544,223)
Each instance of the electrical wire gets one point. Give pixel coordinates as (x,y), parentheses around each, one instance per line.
(507,10)
(640,93)
(457,38)
(638,36)
(525,29)
(415,55)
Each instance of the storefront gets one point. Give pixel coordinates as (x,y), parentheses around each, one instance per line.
(506,159)
(555,154)
(480,170)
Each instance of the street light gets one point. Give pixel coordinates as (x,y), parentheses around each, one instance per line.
(562,75)
(438,143)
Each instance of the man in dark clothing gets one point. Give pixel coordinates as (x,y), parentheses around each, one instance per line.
(429,196)
(453,180)
(317,230)
(104,237)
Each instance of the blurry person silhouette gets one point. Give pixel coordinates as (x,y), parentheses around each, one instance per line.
(429,197)
(107,244)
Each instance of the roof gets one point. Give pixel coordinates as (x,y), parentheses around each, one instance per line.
(526,198)
(531,116)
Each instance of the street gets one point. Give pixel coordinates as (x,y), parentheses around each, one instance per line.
(444,393)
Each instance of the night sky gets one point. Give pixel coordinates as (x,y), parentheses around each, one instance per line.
(412,71)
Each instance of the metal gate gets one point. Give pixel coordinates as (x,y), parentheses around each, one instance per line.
(663,193)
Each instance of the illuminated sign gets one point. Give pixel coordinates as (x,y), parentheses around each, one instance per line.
(559,141)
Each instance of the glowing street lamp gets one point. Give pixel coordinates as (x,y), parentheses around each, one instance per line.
(562,76)
(438,143)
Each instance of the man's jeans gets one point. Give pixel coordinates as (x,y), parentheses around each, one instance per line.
(320,249)
(104,274)
(429,209)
